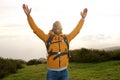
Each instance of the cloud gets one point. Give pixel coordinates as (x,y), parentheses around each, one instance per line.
(97,37)
(21,47)
(15,30)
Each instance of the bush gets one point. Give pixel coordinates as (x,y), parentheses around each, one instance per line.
(36,61)
(33,62)
(115,55)
(93,55)
(42,60)
(20,63)
(8,66)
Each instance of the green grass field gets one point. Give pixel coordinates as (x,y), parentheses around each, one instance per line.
(77,71)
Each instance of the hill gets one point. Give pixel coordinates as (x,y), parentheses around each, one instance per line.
(112,48)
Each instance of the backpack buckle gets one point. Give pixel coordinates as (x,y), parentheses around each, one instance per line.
(59,53)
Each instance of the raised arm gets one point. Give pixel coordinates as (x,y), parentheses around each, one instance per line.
(77,29)
(32,24)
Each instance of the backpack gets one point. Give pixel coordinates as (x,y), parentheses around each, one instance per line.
(49,42)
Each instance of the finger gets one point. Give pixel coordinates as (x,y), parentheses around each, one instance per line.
(26,6)
(81,13)
(30,9)
(85,10)
(23,5)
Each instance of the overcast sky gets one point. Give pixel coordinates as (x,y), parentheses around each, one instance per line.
(100,30)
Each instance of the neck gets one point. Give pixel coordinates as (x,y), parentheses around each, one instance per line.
(57,34)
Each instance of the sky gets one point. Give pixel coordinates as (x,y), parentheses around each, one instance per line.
(17,40)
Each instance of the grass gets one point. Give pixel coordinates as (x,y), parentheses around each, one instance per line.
(77,71)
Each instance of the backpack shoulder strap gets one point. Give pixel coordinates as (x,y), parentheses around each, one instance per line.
(49,41)
(66,40)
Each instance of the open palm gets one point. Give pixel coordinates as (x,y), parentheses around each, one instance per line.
(84,13)
(26,9)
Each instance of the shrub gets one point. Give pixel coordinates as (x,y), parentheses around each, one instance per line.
(20,63)
(115,55)
(93,55)
(42,60)
(8,66)
(33,62)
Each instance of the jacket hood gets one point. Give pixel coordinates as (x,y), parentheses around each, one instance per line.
(52,33)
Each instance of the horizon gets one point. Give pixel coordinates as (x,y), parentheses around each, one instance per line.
(17,40)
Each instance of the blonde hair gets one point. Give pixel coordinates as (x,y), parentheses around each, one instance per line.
(55,24)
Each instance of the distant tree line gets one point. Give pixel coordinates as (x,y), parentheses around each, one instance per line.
(93,55)
(36,61)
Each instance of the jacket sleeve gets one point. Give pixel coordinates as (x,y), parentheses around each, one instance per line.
(36,30)
(76,30)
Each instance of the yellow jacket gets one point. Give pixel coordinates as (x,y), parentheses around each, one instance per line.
(62,61)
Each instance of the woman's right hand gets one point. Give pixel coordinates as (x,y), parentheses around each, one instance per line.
(84,13)
(26,9)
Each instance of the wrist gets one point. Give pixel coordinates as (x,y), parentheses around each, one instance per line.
(28,15)
(83,18)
